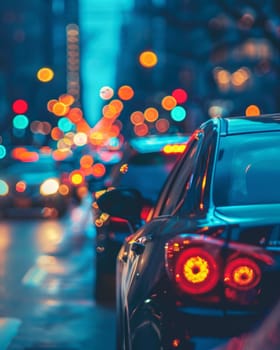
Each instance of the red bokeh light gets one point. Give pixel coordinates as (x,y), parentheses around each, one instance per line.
(180,95)
(20,106)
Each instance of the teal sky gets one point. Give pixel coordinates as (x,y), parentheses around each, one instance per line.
(100,23)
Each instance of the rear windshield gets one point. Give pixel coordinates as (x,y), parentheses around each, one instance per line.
(248,170)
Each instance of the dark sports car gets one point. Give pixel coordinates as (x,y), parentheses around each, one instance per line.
(146,162)
(206,264)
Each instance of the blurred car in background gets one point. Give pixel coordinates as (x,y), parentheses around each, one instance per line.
(30,183)
(206,264)
(146,162)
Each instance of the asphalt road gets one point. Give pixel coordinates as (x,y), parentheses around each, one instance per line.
(46,285)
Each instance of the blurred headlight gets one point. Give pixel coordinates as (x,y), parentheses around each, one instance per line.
(49,186)
(4,188)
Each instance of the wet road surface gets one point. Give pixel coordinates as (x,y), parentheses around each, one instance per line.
(46,290)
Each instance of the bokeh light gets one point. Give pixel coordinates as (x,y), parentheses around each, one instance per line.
(141,130)
(20,121)
(76,177)
(75,114)
(125,92)
(45,74)
(60,109)
(151,114)
(106,92)
(86,161)
(180,95)
(137,118)
(162,125)
(148,59)
(66,99)
(3,151)
(178,113)
(20,106)
(56,133)
(168,102)
(252,111)
(98,170)
(80,139)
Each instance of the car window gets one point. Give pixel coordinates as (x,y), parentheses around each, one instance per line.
(179,181)
(248,170)
(146,172)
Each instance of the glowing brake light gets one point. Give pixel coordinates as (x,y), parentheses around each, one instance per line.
(173,149)
(196,271)
(242,273)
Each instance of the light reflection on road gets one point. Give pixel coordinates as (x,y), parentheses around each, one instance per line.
(5,241)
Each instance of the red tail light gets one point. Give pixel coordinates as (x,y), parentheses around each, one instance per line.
(242,273)
(196,271)
(210,270)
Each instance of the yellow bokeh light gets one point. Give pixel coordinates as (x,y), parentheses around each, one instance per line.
(45,74)
(60,109)
(117,104)
(76,177)
(148,59)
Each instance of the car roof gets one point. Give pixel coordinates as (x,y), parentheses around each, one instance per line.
(239,125)
(155,143)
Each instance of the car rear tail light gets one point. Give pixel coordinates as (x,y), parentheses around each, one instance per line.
(242,273)
(196,271)
(213,270)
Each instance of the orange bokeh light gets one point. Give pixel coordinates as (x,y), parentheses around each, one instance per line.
(86,161)
(252,111)
(67,99)
(168,103)
(98,170)
(125,92)
(45,74)
(148,59)
(75,115)
(137,118)
(151,114)
(59,109)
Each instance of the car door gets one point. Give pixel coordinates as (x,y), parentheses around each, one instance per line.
(147,243)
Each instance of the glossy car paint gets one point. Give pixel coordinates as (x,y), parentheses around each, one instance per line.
(152,311)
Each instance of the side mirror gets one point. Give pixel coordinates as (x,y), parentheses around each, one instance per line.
(125,203)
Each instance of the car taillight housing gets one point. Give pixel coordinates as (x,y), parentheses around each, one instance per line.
(196,271)
(242,273)
(204,267)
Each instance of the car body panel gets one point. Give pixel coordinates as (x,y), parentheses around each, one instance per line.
(149,302)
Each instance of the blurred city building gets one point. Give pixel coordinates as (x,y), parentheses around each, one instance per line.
(148,66)
(32,36)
